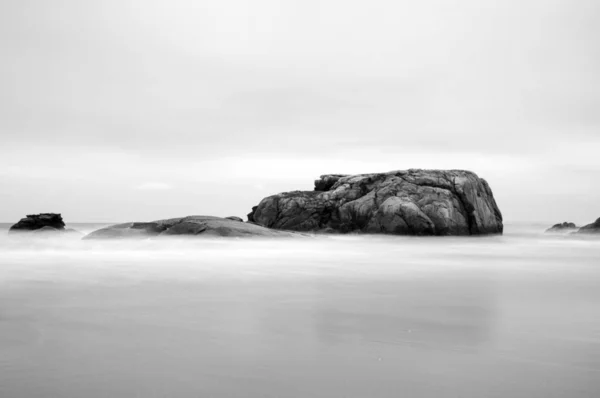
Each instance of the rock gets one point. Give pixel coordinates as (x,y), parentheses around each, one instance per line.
(73,232)
(327,181)
(593,228)
(199,226)
(45,225)
(47,230)
(234,218)
(141,230)
(40,221)
(50,232)
(251,215)
(412,202)
(564,227)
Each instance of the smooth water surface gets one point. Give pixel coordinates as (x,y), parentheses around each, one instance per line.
(349,316)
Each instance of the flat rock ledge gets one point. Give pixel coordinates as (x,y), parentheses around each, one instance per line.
(191,226)
(405,202)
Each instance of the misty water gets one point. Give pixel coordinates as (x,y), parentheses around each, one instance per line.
(516,315)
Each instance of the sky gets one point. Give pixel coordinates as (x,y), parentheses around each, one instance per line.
(114,111)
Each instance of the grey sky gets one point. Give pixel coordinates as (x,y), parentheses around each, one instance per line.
(123,110)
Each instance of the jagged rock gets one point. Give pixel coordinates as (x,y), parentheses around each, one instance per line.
(40,221)
(412,202)
(564,227)
(202,226)
(593,228)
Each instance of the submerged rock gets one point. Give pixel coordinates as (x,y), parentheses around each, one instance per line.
(73,232)
(46,230)
(412,202)
(127,230)
(564,227)
(199,226)
(593,228)
(46,222)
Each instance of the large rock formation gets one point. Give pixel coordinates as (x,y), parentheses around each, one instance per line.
(33,222)
(204,226)
(593,228)
(412,202)
(562,228)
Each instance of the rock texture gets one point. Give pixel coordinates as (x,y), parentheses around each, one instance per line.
(564,227)
(45,221)
(593,228)
(204,226)
(411,202)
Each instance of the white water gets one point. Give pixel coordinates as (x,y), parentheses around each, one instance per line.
(508,316)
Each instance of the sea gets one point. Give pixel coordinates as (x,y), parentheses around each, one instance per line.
(358,316)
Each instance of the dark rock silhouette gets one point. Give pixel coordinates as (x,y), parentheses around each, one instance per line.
(251,215)
(33,222)
(564,227)
(593,228)
(412,202)
(234,218)
(199,226)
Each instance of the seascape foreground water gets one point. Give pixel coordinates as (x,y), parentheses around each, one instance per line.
(335,316)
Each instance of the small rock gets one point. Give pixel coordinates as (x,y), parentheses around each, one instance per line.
(564,227)
(35,222)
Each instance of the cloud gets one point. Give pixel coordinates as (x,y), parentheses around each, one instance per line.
(153,186)
(231,101)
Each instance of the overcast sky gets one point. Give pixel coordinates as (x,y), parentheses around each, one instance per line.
(138,110)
